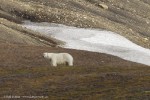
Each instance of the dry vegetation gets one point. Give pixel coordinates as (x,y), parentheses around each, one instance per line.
(94,76)
(105,83)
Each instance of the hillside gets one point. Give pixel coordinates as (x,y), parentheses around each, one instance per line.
(13,33)
(24,73)
(129,18)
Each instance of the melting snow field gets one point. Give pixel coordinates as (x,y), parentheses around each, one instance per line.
(93,40)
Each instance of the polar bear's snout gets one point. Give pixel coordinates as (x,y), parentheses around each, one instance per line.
(59,58)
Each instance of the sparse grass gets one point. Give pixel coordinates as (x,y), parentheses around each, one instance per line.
(77,82)
(24,72)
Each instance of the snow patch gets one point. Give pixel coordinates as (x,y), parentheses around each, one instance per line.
(93,40)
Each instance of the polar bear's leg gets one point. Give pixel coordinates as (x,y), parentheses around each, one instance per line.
(68,59)
(54,62)
(70,63)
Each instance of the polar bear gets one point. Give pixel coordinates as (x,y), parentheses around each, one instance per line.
(59,58)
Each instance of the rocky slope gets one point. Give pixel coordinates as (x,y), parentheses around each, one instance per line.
(12,33)
(129,18)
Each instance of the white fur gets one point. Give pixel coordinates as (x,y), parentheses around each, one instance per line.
(59,58)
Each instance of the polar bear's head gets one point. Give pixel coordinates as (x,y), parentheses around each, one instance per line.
(47,55)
